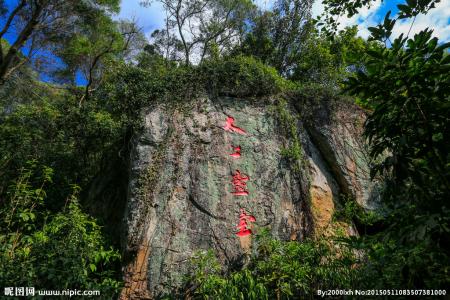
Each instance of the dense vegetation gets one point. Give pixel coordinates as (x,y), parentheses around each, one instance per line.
(58,137)
(277,270)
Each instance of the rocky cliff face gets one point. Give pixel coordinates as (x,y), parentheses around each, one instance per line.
(189,167)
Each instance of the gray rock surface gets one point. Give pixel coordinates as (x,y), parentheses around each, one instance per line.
(180,192)
(336,130)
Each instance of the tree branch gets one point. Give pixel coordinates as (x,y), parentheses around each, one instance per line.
(11,17)
(8,24)
(91,71)
(20,41)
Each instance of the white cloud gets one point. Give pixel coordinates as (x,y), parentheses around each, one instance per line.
(264,4)
(366,17)
(317,8)
(437,19)
(152,17)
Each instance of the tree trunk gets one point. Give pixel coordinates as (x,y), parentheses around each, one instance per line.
(24,35)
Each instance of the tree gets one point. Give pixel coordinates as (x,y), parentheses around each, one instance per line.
(201,25)
(95,47)
(406,83)
(51,250)
(165,45)
(44,25)
(277,37)
(337,8)
(258,40)
(290,29)
(328,61)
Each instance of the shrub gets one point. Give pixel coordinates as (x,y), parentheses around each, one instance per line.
(277,270)
(243,76)
(58,251)
(71,140)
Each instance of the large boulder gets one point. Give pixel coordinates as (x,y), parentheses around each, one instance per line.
(181,185)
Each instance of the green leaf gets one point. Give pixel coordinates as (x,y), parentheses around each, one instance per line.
(375,54)
(412,3)
(92,267)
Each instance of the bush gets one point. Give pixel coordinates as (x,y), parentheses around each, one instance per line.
(128,89)
(408,132)
(243,76)
(277,270)
(58,133)
(58,251)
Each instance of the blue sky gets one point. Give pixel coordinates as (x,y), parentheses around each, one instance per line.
(438,19)
(151,18)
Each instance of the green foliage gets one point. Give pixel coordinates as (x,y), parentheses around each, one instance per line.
(210,283)
(73,247)
(52,26)
(328,61)
(129,88)
(242,76)
(46,240)
(149,59)
(392,263)
(277,270)
(336,8)
(258,41)
(201,28)
(316,58)
(93,47)
(410,114)
(60,134)
(307,95)
(51,251)
(353,212)
(407,86)
(289,123)
(277,36)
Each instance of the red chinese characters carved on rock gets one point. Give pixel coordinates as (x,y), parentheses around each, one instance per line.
(229,126)
(237,152)
(244,225)
(240,184)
